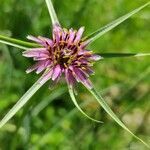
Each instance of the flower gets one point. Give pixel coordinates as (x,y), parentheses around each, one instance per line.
(66,54)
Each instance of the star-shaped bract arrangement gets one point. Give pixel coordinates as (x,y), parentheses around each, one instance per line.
(66,53)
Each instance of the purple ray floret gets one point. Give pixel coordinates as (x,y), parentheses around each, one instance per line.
(65,53)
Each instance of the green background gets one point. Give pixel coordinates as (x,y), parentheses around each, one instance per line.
(50,121)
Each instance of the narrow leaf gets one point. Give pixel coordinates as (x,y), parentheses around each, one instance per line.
(112,55)
(79,108)
(22,101)
(52,12)
(92,37)
(17,43)
(105,106)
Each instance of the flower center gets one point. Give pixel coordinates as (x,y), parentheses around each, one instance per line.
(64,55)
(65,58)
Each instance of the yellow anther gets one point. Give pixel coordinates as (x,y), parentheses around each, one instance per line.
(65,56)
(83,68)
(78,63)
(57,55)
(65,65)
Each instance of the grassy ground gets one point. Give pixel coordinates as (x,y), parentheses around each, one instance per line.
(50,120)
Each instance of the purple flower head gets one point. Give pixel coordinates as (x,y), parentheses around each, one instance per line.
(66,54)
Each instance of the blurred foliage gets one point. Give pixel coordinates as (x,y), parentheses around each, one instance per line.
(50,121)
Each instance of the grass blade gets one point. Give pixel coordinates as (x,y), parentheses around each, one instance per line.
(92,37)
(22,101)
(105,106)
(76,104)
(52,12)
(17,43)
(119,55)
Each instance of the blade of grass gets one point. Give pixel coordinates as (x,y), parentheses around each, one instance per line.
(76,104)
(52,12)
(17,43)
(22,101)
(95,35)
(119,55)
(105,106)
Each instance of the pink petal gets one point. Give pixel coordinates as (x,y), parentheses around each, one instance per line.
(36,53)
(81,52)
(32,68)
(79,34)
(41,57)
(88,70)
(84,44)
(47,76)
(64,34)
(48,42)
(35,39)
(69,77)
(56,72)
(37,49)
(88,84)
(72,36)
(79,75)
(43,66)
(57,32)
(95,57)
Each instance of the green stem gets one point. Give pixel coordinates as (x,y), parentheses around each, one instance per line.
(17,43)
(52,12)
